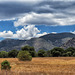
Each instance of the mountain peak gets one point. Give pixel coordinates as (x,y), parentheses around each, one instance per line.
(46,42)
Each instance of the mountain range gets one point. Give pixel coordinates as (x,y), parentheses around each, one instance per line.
(45,42)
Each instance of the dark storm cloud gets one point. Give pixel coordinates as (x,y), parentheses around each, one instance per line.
(13,9)
(59,11)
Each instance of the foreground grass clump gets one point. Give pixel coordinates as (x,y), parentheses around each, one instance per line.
(41,66)
(24,56)
(5,65)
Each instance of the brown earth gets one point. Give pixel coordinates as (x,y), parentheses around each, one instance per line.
(41,66)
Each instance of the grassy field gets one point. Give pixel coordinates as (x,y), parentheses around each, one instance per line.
(41,66)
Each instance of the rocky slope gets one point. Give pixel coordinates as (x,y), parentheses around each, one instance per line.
(45,42)
(70,43)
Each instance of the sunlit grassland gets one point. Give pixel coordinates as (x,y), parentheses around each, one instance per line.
(41,66)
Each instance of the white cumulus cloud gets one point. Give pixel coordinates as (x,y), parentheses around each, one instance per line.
(54,32)
(45,19)
(73,32)
(25,33)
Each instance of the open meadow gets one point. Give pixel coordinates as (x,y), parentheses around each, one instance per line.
(41,66)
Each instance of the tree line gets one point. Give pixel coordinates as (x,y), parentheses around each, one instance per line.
(55,52)
(27,52)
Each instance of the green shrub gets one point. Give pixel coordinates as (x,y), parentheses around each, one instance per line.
(57,51)
(69,53)
(49,53)
(5,65)
(65,55)
(30,49)
(70,49)
(41,53)
(56,54)
(3,54)
(24,55)
(74,54)
(13,53)
(33,53)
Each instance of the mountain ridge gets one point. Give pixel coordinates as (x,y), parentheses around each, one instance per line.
(45,42)
(70,43)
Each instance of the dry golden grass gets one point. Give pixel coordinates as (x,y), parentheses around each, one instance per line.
(41,66)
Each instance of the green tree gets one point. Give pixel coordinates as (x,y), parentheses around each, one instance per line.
(26,48)
(69,53)
(65,54)
(33,53)
(5,65)
(74,54)
(0,55)
(71,50)
(41,53)
(57,51)
(24,56)
(3,54)
(30,49)
(56,54)
(49,53)
(13,53)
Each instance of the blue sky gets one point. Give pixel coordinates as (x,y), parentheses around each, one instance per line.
(25,19)
(9,25)
(58,29)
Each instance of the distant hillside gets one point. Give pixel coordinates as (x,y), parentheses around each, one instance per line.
(9,44)
(45,42)
(58,39)
(70,43)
